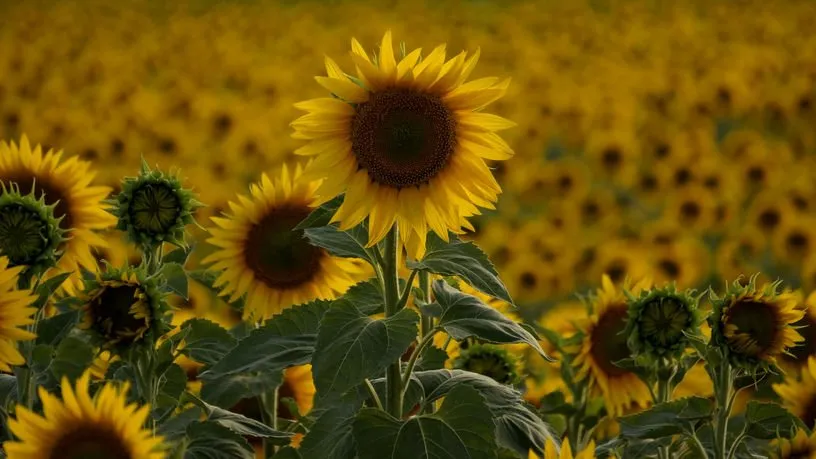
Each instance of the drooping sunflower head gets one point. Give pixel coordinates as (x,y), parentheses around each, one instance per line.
(490,360)
(260,255)
(801,446)
(406,140)
(604,344)
(154,207)
(15,312)
(30,236)
(65,184)
(798,392)
(659,321)
(81,426)
(754,325)
(123,308)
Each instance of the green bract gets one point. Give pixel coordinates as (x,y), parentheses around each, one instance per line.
(30,235)
(489,360)
(659,323)
(153,208)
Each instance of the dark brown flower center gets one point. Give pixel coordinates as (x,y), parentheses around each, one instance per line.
(403,138)
(90,442)
(50,193)
(279,257)
(112,317)
(608,341)
(758,321)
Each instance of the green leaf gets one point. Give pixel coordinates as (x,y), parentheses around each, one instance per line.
(287,452)
(465,315)
(299,320)
(72,357)
(666,419)
(205,341)
(767,421)
(263,351)
(432,358)
(331,436)
(209,440)
(366,296)
(463,259)
(53,329)
(556,403)
(245,426)
(338,243)
(322,215)
(351,346)
(8,390)
(178,256)
(227,391)
(175,427)
(172,383)
(47,288)
(175,278)
(518,426)
(462,428)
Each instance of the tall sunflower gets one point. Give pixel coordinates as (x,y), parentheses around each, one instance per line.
(83,427)
(66,184)
(15,312)
(551,451)
(259,255)
(801,446)
(754,325)
(798,393)
(604,344)
(406,141)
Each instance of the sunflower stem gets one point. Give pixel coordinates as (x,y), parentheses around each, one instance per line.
(723,392)
(269,402)
(425,285)
(393,376)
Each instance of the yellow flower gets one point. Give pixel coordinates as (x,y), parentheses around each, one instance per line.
(551,452)
(66,183)
(15,312)
(298,385)
(798,392)
(604,344)
(801,446)
(406,141)
(259,255)
(82,427)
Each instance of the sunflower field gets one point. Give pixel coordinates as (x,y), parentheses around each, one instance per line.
(341,229)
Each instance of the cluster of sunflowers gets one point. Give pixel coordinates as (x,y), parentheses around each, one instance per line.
(342,308)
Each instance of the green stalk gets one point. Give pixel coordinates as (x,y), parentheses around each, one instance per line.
(393,376)
(269,402)
(724,387)
(425,285)
(664,395)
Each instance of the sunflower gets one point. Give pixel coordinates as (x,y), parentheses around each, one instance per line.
(406,141)
(66,185)
(753,326)
(798,355)
(299,386)
(604,344)
(15,312)
(799,393)
(801,446)
(259,255)
(84,427)
(123,308)
(659,323)
(551,451)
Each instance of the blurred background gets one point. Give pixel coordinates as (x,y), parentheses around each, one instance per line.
(669,139)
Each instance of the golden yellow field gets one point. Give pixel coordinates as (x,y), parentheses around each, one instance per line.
(656,143)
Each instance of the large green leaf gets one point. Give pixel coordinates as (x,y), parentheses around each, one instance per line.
(245,426)
(71,358)
(322,215)
(463,259)
(462,428)
(299,320)
(226,391)
(666,419)
(176,427)
(338,243)
(352,347)
(175,279)
(172,383)
(767,421)
(8,390)
(205,341)
(518,426)
(209,440)
(366,296)
(53,329)
(330,437)
(264,350)
(464,316)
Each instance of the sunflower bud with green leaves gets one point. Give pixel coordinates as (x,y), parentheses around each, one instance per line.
(754,325)
(30,235)
(153,208)
(660,321)
(124,308)
(489,360)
